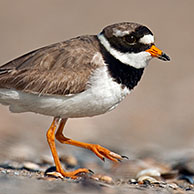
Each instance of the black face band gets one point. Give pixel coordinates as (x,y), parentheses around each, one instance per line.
(120,43)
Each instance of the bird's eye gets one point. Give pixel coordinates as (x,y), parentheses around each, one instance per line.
(131,39)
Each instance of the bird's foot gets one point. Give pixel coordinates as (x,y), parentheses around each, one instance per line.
(72,174)
(103,153)
(77,173)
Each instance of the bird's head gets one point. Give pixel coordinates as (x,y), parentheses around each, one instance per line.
(131,43)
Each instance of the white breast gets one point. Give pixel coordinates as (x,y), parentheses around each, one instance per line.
(102,95)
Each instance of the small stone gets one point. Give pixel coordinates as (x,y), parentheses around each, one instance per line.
(107,179)
(144,179)
(181,183)
(16,173)
(148,172)
(162,185)
(173,186)
(12,165)
(15,165)
(104,178)
(132,181)
(31,166)
(3,171)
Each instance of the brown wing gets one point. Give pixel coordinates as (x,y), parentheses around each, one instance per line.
(62,68)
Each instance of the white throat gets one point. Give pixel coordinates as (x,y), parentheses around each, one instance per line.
(137,60)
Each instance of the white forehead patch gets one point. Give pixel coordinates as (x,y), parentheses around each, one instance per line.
(147,39)
(119,33)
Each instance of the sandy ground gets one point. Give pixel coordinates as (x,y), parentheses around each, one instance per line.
(156,120)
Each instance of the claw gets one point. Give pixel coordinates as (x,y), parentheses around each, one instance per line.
(125,157)
(119,160)
(92,172)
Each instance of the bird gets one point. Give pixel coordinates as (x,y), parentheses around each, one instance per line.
(84,76)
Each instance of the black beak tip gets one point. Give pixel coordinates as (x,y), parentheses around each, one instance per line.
(164,57)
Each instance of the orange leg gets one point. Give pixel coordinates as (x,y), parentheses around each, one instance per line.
(100,151)
(51,142)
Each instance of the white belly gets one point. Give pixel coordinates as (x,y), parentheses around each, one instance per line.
(102,95)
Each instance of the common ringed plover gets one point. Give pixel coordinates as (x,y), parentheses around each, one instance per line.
(81,77)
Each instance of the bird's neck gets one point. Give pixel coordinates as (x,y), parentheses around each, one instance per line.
(123,74)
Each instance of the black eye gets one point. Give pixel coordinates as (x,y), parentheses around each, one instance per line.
(131,39)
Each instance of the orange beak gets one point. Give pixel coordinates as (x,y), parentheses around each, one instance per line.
(156,52)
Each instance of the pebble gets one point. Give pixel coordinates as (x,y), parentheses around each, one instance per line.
(148,172)
(173,186)
(12,165)
(181,183)
(104,178)
(144,179)
(16,173)
(3,171)
(132,181)
(31,166)
(162,185)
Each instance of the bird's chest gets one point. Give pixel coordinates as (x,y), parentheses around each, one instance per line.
(105,94)
(108,96)
(102,94)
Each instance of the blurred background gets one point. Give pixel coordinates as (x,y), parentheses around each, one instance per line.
(156,119)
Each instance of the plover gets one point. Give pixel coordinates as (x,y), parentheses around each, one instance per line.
(81,77)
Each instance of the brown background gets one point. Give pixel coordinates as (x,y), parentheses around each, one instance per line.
(157,118)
